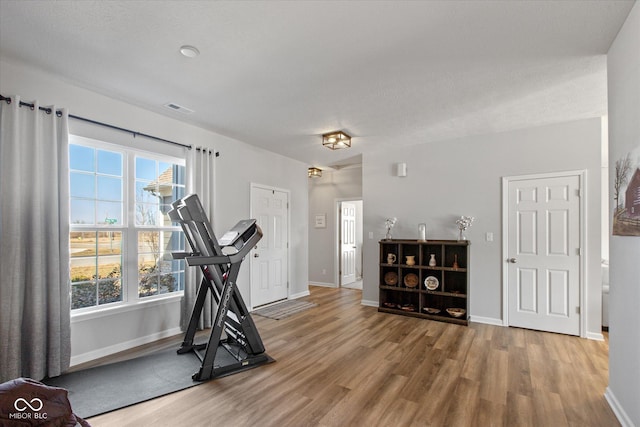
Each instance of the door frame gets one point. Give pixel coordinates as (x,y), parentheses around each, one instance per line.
(253,186)
(336,243)
(582,178)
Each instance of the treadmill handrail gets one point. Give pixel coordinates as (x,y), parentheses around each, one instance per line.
(183,255)
(207,260)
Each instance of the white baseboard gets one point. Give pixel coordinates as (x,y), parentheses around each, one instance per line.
(323,284)
(116,348)
(486,320)
(300,294)
(595,336)
(617,409)
(498,322)
(369,303)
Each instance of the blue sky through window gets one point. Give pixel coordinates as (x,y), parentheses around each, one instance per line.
(96,186)
(145,169)
(81,158)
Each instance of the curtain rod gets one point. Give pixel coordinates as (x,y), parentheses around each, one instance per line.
(95,122)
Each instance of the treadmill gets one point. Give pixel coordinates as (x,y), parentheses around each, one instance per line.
(241,347)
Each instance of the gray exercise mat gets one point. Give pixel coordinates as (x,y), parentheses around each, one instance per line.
(106,388)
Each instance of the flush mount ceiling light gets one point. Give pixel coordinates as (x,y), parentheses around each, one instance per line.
(315,172)
(336,140)
(189,51)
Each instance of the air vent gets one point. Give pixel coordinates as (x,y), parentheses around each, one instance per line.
(179,108)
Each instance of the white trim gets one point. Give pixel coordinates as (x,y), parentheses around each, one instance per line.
(596,336)
(337,232)
(617,409)
(369,303)
(582,180)
(116,348)
(269,187)
(486,320)
(323,284)
(253,186)
(584,255)
(101,144)
(300,294)
(112,310)
(505,251)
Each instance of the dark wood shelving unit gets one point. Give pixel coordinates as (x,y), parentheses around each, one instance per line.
(403,285)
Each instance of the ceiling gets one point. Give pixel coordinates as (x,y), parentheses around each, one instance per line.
(278,74)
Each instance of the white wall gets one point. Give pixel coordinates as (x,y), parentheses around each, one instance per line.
(624,316)
(238,165)
(323,193)
(463,177)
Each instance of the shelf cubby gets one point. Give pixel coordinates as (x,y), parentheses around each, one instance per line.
(451,270)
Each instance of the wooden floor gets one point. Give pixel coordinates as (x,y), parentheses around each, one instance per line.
(344,364)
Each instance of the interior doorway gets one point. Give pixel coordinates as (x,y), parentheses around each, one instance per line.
(270,257)
(543,244)
(349,243)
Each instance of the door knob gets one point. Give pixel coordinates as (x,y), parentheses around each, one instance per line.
(512,260)
(256,255)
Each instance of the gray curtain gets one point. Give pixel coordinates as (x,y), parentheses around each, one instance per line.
(34,242)
(200,164)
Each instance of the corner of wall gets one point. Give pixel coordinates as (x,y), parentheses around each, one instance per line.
(617,409)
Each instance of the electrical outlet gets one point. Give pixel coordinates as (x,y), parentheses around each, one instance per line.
(489,237)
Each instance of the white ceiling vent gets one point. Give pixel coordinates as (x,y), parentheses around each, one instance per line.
(179,108)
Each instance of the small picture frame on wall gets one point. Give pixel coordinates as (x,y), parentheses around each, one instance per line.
(321,221)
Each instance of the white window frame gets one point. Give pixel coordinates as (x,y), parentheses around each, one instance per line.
(129,229)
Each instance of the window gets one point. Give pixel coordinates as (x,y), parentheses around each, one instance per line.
(121,238)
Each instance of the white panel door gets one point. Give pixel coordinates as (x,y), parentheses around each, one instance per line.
(269,269)
(544,254)
(348,242)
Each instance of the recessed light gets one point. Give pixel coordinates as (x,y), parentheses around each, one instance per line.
(189,51)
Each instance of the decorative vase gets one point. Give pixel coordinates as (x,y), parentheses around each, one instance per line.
(411,260)
(455,260)
(389,223)
(432,260)
(463,223)
(422,232)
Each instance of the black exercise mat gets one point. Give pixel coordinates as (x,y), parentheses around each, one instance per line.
(95,391)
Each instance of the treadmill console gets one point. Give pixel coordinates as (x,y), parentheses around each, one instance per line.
(240,234)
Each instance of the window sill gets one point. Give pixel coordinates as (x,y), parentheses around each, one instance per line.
(123,308)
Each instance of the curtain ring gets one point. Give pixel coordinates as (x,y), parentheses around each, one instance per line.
(47,110)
